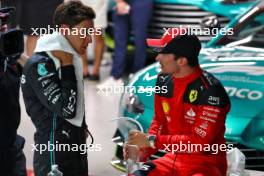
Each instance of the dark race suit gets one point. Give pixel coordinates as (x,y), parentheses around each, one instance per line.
(47,97)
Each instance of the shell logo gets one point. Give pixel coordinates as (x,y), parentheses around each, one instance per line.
(166,107)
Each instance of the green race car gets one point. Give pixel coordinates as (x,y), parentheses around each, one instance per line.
(194,13)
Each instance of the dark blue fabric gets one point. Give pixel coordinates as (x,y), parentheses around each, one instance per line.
(139,16)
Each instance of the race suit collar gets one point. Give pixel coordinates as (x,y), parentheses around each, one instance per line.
(187,79)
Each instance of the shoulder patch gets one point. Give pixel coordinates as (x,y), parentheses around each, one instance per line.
(42,71)
(215,96)
(193,92)
(193,95)
(164,81)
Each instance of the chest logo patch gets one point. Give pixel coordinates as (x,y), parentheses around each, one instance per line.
(193,95)
(42,71)
(191,113)
(165,107)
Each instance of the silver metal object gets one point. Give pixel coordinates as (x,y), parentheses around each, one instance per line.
(55,171)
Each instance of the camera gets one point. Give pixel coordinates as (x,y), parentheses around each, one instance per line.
(11,144)
(11,41)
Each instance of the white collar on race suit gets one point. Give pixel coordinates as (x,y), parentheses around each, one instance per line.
(56,41)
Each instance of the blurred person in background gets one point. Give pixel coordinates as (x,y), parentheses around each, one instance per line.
(15,17)
(136,13)
(36,14)
(100,22)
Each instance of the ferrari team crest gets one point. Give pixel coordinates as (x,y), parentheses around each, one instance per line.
(193,95)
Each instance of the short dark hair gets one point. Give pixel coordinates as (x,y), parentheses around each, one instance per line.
(72,13)
(192,61)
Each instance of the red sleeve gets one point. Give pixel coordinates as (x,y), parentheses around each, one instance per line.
(156,125)
(158,119)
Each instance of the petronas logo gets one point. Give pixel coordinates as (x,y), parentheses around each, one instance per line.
(42,71)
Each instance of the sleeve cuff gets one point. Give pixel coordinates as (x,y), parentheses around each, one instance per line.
(162,140)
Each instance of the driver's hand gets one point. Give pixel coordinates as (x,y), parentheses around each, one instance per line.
(138,138)
(122,8)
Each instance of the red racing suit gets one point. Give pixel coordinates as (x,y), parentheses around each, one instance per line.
(191,113)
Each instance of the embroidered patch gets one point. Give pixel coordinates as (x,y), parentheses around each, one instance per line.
(42,71)
(166,107)
(193,95)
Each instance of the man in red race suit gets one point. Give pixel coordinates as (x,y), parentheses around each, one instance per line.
(191,113)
